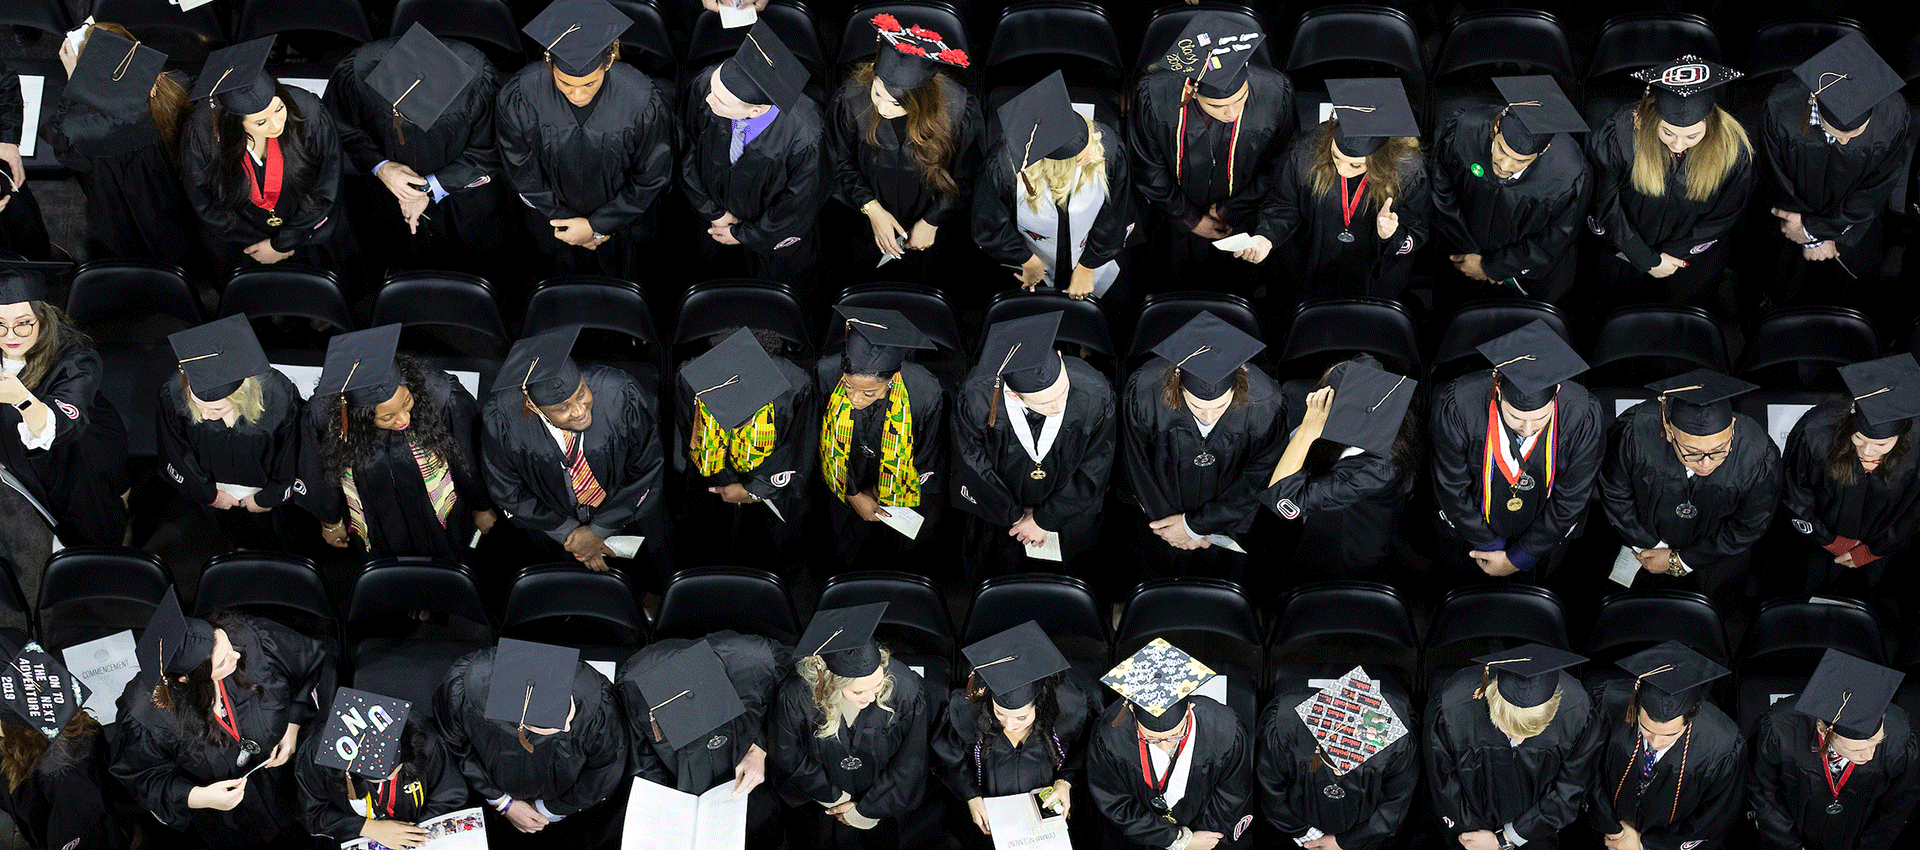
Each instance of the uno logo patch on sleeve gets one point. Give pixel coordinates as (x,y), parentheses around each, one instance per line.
(1287,509)
(1803,526)
(965,494)
(1241,827)
(1702,246)
(175,475)
(68,409)
(789,241)
(781,479)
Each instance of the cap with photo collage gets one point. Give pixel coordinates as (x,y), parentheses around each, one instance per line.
(360,366)
(1536,110)
(1682,88)
(574,33)
(734,379)
(1351,720)
(1527,676)
(115,75)
(531,686)
(1670,680)
(1700,402)
(20,284)
(172,645)
(236,78)
(843,638)
(1847,80)
(1040,123)
(1370,110)
(218,356)
(1849,694)
(420,78)
(1886,395)
(909,54)
(363,733)
(1012,662)
(1213,52)
(1369,405)
(1530,362)
(688,694)
(878,340)
(1157,680)
(38,692)
(541,368)
(1208,352)
(763,71)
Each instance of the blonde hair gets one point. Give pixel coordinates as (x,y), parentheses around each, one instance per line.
(1516,721)
(1707,164)
(826,686)
(249,401)
(1059,179)
(1383,166)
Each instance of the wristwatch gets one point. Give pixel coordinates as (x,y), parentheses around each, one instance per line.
(23,404)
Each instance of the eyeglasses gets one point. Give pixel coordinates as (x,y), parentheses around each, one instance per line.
(23,329)
(1697,457)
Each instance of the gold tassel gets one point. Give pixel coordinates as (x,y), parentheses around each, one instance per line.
(163,695)
(343,417)
(524,743)
(656,727)
(396,126)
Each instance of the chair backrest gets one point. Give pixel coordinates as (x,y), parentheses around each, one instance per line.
(487,21)
(1668,331)
(1636,40)
(1077,36)
(913,601)
(397,586)
(1484,38)
(149,20)
(857,40)
(1810,339)
(268,17)
(1356,32)
(109,290)
(1520,612)
(790,19)
(1345,608)
(90,592)
(1063,605)
(1209,605)
(1081,324)
(1165,312)
(713,306)
(593,301)
(1377,326)
(569,590)
(461,305)
(702,600)
(923,305)
(45,15)
(287,289)
(648,33)
(254,579)
(1801,624)
(1634,619)
(1783,44)
(1479,321)
(1167,22)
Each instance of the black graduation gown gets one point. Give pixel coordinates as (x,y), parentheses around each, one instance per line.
(1790,797)
(781,477)
(62,804)
(1310,225)
(1219,791)
(927,401)
(80,477)
(1643,486)
(1480,781)
(327,810)
(567,772)
(393,497)
(196,455)
(1697,791)
(159,767)
(991,469)
(1373,796)
(994,768)
(22,230)
(880,760)
(136,208)
(312,222)
(997,199)
(1266,128)
(888,172)
(777,186)
(1839,190)
(1347,502)
(1881,510)
(1641,228)
(1522,229)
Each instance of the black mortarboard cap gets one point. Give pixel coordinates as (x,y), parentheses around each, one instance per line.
(909,54)
(532,683)
(1670,680)
(688,694)
(1369,404)
(1021,351)
(1208,352)
(115,75)
(420,77)
(1527,675)
(574,33)
(1886,395)
(236,77)
(1213,51)
(38,691)
(763,70)
(1531,361)
(1848,79)
(843,638)
(1849,694)
(361,365)
(734,379)
(363,733)
(1040,123)
(878,340)
(20,284)
(1700,402)
(1370,111)
(173,642)
(218,355)
(1680,88)
(541,366)
(1012,661)
(1157,680)
(1535,111)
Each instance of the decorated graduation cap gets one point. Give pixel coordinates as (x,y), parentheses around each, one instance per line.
(1156,682)
(1040,123)
(1529,362)
(1212,52)
(877,340)
(1208,352)
(1681,88)
(763,71)
(37,690)
(20,284)
(360,366)
(843,638)
(574,33)
(1886,395)
(1535,111)
(1847,80)
(1669,681)
(1699,402)
(532,686)
(420,78)
(909,54)
(363,733)
(1369,405)
(114,74)
(541,367)
(1849,694)
(1528,675)
(734,379)
(217,356)
(236,77)
(1370,110)
(688,695)
(1013,661)
(172,645)
(1350,720)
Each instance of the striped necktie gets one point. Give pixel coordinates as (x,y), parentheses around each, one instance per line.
(586,490)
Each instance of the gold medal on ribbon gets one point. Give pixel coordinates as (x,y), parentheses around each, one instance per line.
(1515,503)
(273,219)
(1037,473)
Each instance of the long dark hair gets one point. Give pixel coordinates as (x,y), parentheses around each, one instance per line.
(930,130)
(193,699)
(229,184)
(412,752)
(22,749)
(1843,463)
(57,331)
(1046,715)
(429,429)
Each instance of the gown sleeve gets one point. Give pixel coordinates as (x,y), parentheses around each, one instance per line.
(1443,785)
(343,102)
(1153,174)
(649,167)
(642,470)
(980,490)
(73,119)
(952,748)
(1414,206)
(1231,796)
(1396,797)
(1455,439)
(1611,158)
(794,442)
(793,757)
(1140,405)
(603,737)
(78,816)
(899,789)
(516,133)
(283,466)
(845,138)
(1109,780)
(1805,474)
(1617,479)
(1232,512)
(1559,804)
(463,419)
(1860,207)
(144,760)
(1551,239)
(13,109)
(1572,486)
(320,492)
(299,661)
(1720,801)
(480,159)
(793,208)
(965,168)
(322,141)
(503,456)
(1895,806)
(1283,207)
(68,391)
(698,122)
(995,222)
(452,711)
(1449,223)
(320,797)
(177,461)
(1114,222)
(1725,208)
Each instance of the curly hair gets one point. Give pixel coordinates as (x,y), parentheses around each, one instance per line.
(430,429)
(825,687)
(21,748)
(192,709)
(229,185)
(1046,714)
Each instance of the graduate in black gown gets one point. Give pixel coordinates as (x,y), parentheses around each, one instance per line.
(748,420)
(1204,139)
(1671,175)
(539,736)
(229,432)
(1344,474)
(54,757)
(390,454)
(587,142)
(1691,486)
(1510,747)
(1837,768)
(1671,770)
(118,131)
(1019,725)
(1511,222)
(573,455)
(720,730)
(906,189)
(1343,774)
(1349,203)
(883,439)
(1516,451)
(1202,429)
(214,715)
(1033,444)
(755,165)
(1169,769)
(850,739)
(22,230)
(375,771)
(261,162)
(415,116)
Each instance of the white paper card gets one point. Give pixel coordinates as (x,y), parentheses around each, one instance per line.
(1225,542)
(1214,689)
(1622,405)
(318,87)
(1048,551)
(1625,566)
(1773,698)
(662,818)
(734,17)
(1018,825)
(1237,242)
(625,545)
(1325,111)
(776,510)
(1780,421)
(1085,110)
(237,491)
(190,5)
(605,668)
(105,666)
(465,829)
(33,88)
(907,521)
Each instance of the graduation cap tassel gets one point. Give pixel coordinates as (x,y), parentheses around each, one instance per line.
(126,62)
(656,723)
(396,112)
(1486,673)
(993,403)
(1824,82)
(527,701)
(1120,717)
